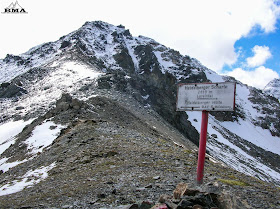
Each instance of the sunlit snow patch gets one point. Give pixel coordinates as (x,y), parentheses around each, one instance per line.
(4,166)
(8,131)
(166,64)
(43,136)
(74,71)
(63,77)
(213,76)
(222,149)
(28,180)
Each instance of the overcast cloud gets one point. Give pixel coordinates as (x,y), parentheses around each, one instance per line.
(203,29)
(258,77)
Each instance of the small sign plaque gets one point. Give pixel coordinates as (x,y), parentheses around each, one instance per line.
(206,96)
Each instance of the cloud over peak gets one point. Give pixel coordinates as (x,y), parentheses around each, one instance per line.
(261,54)
(258,77)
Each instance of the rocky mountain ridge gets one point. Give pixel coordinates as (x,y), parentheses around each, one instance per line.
(106,102)
(273,88)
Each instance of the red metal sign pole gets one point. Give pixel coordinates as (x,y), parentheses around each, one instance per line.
(202,147)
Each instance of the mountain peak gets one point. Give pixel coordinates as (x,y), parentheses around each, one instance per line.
(98,24)
(103,26)
(274,83)
(273,88)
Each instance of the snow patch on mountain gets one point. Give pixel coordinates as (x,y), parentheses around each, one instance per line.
(254,134)
(43,136)
(8,132)
(5,166)
(130,44)
(273,88)
(166,65)
(222,149)
(213,76)
(13,66)
(29,179)
(63,77)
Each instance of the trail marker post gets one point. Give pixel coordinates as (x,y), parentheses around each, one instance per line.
(205,97)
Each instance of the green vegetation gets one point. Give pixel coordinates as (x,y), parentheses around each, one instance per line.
(187,151)
(232,177)
(234,182)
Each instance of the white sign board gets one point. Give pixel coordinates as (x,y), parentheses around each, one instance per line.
(206,96)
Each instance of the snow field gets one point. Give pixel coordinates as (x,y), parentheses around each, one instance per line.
(43,136)
(27,180)
(8,131)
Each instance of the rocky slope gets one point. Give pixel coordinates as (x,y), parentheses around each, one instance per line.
(101,127)
(107,156)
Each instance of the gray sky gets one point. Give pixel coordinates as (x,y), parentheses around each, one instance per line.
(203,29)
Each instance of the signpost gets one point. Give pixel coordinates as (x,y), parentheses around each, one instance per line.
(205,97)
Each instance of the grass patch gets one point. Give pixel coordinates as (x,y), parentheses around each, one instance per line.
(187,151)
(232,177)
(171,170)
(234,182)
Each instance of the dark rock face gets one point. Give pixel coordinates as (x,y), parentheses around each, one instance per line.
(229,116)
(12,58)
(11,90)
(270,108)
(148,60)
(5,85)
(66,102)
(124,60)
(65,44)
(160,88)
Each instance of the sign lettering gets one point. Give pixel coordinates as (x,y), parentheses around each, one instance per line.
(206,96)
